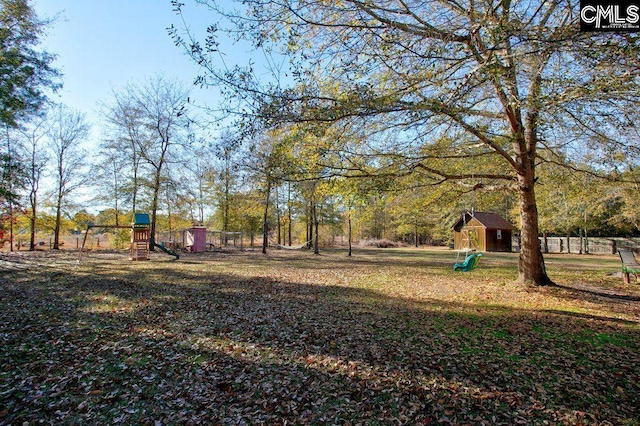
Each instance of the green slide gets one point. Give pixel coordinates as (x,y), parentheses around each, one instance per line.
(166,250)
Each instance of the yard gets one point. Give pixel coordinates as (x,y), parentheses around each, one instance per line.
(389,336)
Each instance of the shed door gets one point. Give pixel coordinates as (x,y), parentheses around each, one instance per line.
(469,238)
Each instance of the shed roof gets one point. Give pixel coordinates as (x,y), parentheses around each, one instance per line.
(488,220)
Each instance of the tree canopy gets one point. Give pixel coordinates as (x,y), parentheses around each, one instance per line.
(447,91)
(26,73)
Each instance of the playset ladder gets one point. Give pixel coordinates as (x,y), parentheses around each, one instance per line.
(140,234)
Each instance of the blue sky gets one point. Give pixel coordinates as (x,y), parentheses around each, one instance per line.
(105,44)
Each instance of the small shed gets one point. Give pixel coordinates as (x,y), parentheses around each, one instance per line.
(195,239)
(482,231)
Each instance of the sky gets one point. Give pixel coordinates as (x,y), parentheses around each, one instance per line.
(102,45)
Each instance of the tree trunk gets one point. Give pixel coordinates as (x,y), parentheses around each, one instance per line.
(316,249)
(265,225)
(169,211)
(289,213)
(310,225)
(277,210)
(586,241)
(154,212)
(116,194)
(531,268)
(56,230)
(135,160)
(581,251)
(33,197)
(32,226)
(10,186)
(10,222)
(227,185)
(349,231)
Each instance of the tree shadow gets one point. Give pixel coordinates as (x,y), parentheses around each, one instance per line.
(589,317)
(597,293)
(179,346)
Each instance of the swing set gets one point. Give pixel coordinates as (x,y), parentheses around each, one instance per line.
(467,242)
(140,238)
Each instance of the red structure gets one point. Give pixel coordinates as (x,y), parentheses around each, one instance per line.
(195,239)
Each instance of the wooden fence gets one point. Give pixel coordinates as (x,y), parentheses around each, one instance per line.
(73,242)
(592,245)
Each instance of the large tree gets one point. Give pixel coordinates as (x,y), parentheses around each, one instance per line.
(67,131)
(198,178)
(440,82)
(161,105)
(25,75)
(125,134)
(111,178)
(13,180)
(34,136)
(226,168)
(25,72)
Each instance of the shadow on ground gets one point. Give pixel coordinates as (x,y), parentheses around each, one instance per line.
(177,346)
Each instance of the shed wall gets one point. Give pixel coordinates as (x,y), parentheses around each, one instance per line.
(484,239)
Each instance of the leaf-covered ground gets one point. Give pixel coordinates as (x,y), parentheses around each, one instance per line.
(385,337)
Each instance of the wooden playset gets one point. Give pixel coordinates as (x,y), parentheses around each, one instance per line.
(140,236)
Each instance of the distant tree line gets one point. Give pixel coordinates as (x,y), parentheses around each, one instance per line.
(393,122)
(480,94)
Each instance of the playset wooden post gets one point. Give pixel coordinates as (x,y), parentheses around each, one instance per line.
(140,234)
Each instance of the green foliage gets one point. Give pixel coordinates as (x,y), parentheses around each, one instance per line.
(173,222)
(25,72)
(122,238)
(448,94)
(108,217)
(13,176)
(570,201)
(46,223)
(82,219)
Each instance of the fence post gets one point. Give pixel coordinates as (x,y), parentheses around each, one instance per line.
(613,247)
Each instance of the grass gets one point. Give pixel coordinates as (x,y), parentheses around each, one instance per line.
(389,336)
